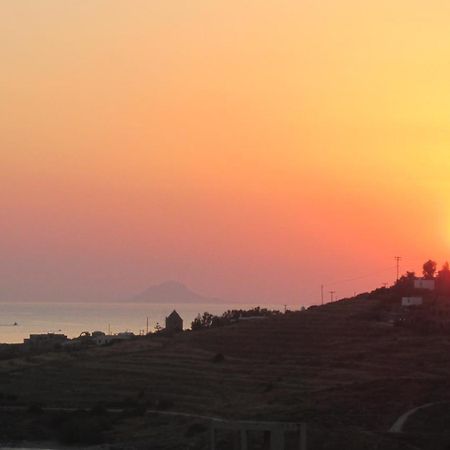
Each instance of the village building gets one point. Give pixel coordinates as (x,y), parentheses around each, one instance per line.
(174,322)
(422,283)
(46,341)
(412,301)
(101,338)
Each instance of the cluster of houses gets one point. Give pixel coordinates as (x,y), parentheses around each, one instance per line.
(427,309)
(422,285)
(51,341)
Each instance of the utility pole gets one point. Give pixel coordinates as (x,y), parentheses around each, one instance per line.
(321,293)
(398,259)
(332,295)
(147,326)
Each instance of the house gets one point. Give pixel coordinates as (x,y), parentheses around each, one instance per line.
(100,338)
(412,301)
(422,283)
(47,341)
(174,322)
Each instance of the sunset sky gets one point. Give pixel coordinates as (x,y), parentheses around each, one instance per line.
(250,149)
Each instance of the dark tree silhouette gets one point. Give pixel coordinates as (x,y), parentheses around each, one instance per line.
(443,280)
(207,320)
(202,321)
(405,284)
(429,269)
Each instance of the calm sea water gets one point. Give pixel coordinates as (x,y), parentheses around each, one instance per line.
(74,318)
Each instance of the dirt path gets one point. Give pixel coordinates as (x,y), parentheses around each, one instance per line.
(401,421)
(118,411)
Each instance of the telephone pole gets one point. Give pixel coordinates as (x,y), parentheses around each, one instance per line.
(321,293)
(398,259)
(332,295)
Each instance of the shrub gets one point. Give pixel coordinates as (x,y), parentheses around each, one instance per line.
(163,404)
(136,411)
(218,358)
(35,408)
(83,429)
(195,428)
(99,409)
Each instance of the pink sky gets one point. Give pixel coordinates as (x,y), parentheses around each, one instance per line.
(252,150)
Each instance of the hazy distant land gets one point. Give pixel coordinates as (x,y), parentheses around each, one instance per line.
(172,292)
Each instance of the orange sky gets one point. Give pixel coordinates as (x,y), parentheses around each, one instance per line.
(252,149)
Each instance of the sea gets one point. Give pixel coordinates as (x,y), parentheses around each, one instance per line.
(19,320)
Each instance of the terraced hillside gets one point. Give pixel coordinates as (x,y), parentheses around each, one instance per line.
(348,375)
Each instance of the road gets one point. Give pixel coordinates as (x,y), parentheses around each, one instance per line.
(401,421)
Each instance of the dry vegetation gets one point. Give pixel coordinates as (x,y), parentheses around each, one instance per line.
(348,375)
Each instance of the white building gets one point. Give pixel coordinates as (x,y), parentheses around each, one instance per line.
(421,283)
(100,338)
(103,339)
(412,301)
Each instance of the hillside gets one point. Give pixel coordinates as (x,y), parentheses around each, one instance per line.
(348,376)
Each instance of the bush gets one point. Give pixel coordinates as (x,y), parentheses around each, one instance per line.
(35,408)
(195,428)
(163,404)
(218,358)
(136,411)
(99,409)
(83,429)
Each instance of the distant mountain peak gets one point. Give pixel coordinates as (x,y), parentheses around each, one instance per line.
(171,291)
(171,283)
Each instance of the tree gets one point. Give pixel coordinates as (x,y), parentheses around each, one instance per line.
(429,269)
(405,284)
(443,280)
(202,321)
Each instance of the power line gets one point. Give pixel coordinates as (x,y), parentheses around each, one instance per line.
(396,267)
(372,274)
(398,259)
(347,280)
